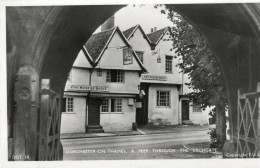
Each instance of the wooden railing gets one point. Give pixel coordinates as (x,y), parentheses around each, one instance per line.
(248,142)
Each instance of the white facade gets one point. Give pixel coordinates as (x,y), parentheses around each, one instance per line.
(160,80)
(119,114)
(162,88)
(163,115)
(74,122)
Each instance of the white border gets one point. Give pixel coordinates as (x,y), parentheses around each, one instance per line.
(196,163)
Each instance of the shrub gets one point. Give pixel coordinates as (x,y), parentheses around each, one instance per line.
(214,141)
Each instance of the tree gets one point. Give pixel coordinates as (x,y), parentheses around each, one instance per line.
(198,61)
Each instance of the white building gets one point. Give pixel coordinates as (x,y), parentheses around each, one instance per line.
(103,85)
(164,84)
(123,78)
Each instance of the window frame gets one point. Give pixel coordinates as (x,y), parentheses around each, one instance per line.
(167,62)
(110,111)
(72,105)
(108,106)
(109,76)
(169,99)
(140,52)
(195,106)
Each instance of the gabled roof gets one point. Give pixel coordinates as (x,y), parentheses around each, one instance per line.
(97,44)
(129,33)
(156,36)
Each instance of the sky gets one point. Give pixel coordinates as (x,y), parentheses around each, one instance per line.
(147,16)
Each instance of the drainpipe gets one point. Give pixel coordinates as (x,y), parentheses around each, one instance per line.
(182,76)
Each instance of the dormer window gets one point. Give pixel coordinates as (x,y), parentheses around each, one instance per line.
(140,55)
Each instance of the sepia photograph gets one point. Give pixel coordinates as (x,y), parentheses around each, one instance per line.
(152,84)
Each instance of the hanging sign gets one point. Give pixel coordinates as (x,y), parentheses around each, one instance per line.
(87,88)
(127,56)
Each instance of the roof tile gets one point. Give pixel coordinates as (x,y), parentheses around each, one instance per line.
(97,42)
(129,31)
(155,36)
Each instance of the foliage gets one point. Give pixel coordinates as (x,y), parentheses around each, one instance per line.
(214,142)
(198,61)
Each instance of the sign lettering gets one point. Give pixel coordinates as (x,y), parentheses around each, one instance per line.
(86,88)
(154,77)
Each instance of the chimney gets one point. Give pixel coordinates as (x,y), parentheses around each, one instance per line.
(108,24)
(151,30)
(155,29)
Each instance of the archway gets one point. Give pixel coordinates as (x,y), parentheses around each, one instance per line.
(51,37)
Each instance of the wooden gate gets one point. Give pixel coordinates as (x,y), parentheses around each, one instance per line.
(248,124)
(50,147)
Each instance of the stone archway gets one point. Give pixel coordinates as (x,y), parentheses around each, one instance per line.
(44,42)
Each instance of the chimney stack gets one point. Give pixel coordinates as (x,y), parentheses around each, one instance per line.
(108,24)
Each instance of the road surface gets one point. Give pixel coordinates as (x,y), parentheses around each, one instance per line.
(149,146)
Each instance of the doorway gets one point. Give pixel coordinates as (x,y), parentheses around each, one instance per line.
(93,116)
(185,110)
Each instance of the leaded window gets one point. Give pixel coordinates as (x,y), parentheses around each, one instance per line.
(168,64)
(115,76)
(70,104)
(163,99)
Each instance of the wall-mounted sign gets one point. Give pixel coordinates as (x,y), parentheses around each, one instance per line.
(87,88)
(154,77)
(127,56)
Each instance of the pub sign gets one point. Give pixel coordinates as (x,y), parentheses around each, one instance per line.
(127,56)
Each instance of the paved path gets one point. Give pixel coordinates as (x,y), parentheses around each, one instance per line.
(86,148)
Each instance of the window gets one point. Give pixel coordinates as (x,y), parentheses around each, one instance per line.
(168,64)
(163,99)
(99,72)
(140,55)
(105,105)
(69,104)
(115,76)
(111,105)
(196,108)
(116,105)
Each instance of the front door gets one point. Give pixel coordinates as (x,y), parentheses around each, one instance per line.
(93,111)
(185,109)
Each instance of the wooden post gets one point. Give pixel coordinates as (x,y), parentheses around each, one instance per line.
(258,120)
(45,85)
(220,123)
(25,115)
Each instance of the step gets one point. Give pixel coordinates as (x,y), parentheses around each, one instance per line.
(95,131)
(94,127)
(187,122)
